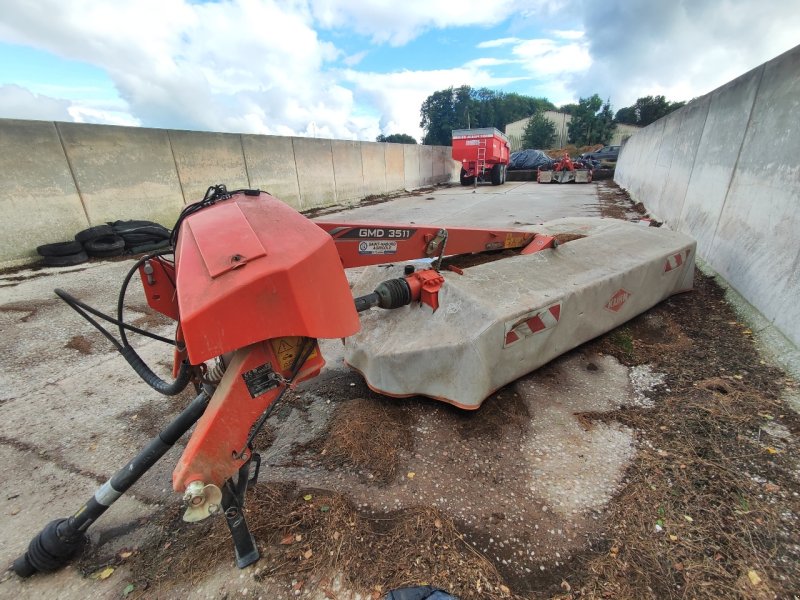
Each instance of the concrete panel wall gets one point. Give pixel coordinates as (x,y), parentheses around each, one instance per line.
(123,172)
(440,160)
(426,165)
(757,240)
(205,158)
(395,167)
(59,178)
(314,160)
(373,165)
(39,201)
(411,161)
(348,170)
(271,166)
(726,171)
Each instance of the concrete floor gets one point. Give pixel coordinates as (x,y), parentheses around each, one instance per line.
(514,204)
(72,412)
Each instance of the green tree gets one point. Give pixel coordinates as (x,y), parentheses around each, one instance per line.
(444,111)
(592,122)
(570,109)
(463,107)
(539,132)
(396,138)
(646,110)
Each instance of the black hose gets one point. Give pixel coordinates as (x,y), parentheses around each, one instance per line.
(122,345)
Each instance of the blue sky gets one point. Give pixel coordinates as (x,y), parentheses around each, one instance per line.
(336,68)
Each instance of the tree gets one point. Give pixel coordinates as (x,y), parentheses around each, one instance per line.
(646,110)
(464,107)
(592,122)
(570,109)
(396,138)
(539,132)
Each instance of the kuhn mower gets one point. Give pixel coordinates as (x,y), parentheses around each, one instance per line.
(252,285)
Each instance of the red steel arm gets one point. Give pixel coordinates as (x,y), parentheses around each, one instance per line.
(361,244)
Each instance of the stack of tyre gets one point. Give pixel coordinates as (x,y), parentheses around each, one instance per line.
(105,241)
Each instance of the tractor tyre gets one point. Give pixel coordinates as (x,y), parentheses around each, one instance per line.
(497,175)
(105,246)
(59,249)
(65,261)
(465,180)
(92,233)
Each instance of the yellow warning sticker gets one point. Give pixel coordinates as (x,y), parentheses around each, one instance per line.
(286,349)
(513,241)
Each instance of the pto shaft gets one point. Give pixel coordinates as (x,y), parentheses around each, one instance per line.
(62,539)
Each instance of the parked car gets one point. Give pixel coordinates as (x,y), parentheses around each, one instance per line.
(609,153)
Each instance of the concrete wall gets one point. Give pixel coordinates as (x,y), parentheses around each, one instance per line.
(515,130)
(59,178)
(726,170)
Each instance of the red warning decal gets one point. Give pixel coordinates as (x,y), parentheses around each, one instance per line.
(531,323)
(616,301)
(676,261)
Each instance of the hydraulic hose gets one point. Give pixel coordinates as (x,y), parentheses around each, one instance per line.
(122,345)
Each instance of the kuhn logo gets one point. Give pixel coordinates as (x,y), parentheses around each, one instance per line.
(617,300)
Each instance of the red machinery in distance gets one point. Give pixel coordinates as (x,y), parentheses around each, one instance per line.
(483,153)
(565,171)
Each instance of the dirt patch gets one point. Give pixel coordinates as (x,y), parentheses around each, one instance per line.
(155,415)
(28,310)
(366,435)
(616,203)
(563,238)
(81,343)
(502,412)
(710,506)
(310,537)
(149,319)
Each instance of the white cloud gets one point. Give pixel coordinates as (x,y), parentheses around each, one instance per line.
(549,58)
(236,65)
(400,95)
(399,22)
(20,103)
(354,59)
(567,34)
(679,49)
(506,41)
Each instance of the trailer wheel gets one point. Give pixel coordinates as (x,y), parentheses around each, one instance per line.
(466,180)
(497,175)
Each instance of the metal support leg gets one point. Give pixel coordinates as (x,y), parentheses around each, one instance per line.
(233,497)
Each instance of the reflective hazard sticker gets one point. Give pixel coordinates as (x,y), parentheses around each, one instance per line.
(616,302)
(531,323)
(377,247)
(286,349)
(676,261)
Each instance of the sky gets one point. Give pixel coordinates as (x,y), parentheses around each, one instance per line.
(354,69)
